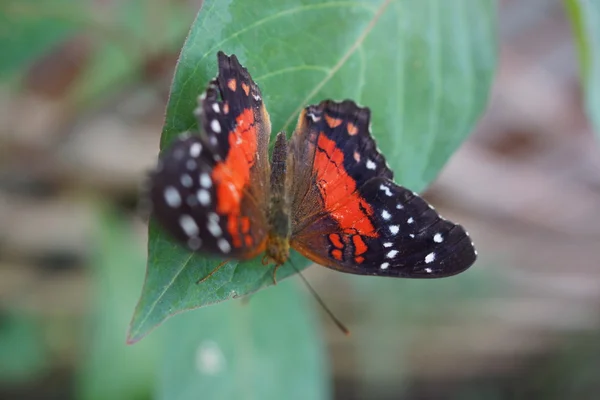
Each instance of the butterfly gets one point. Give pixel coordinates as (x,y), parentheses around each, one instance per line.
(328,192)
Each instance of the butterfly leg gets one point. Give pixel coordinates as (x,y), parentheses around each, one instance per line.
(275,273)
(211,273)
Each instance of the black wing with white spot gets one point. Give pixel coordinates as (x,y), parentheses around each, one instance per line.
(413,240)
(211,188)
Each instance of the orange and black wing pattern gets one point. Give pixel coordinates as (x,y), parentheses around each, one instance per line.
(210,189)
(349,215)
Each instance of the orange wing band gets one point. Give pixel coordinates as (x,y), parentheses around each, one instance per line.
(233,174)
(338,191)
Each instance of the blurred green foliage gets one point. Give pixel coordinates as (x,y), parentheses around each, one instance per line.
(111,369)
(28,31)
(21,342)
(585,19)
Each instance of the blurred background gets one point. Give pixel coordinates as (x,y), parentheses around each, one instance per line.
(80,122)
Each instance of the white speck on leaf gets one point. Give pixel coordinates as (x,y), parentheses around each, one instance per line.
(209,358)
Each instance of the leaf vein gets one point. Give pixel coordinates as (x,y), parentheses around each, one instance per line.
(359,40)
(160,296)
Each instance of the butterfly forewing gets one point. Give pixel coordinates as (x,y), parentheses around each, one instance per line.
(210,189)
(349,215)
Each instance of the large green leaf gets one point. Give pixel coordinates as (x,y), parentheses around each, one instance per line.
(266,349)
(423,67)
(585,18)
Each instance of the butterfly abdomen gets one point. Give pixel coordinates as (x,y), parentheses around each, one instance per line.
(278,241)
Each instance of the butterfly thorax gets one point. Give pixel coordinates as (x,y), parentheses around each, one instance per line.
(278,240)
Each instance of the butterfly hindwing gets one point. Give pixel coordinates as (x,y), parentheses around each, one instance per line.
(210,189)
(349,215)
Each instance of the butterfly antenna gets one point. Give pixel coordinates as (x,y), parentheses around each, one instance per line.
(336,321)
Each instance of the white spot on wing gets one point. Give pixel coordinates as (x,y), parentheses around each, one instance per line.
(428,270)
(195,150)
(213,216)
(172,197)
(313,117)
(386,215)
(371,165)
(394,229)
(186,180)
(438,238)
(392,254)
(388,244)
(215,126)
(410,220)
(224,245)
(386,190)
(429,258)
(411,236)
(214,228)
(385,265)
(205,180)
(203,197)
(216,108)
(399,206)
(188,225)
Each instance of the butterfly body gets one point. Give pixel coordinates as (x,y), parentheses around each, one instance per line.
(278,239)
(327,192)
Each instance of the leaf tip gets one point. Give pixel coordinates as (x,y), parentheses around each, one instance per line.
(133,338)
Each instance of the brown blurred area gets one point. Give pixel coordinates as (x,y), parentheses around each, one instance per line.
(526,183)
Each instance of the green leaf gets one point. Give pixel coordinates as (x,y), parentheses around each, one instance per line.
(585,18)
(111,369)
(423,67)
(267,348)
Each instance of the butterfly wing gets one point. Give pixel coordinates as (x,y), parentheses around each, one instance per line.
(349,215)
(209,189)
